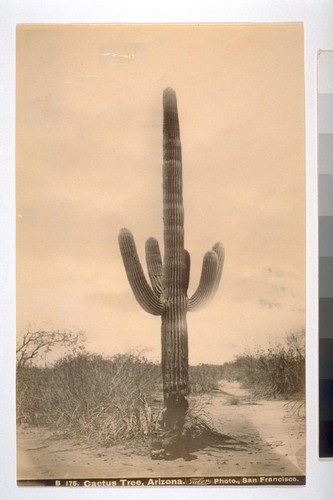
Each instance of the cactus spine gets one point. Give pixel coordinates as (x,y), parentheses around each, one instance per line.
(167,295)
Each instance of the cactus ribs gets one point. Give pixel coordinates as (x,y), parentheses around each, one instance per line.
(167,295)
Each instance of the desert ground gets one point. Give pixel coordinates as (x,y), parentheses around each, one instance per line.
(271,441)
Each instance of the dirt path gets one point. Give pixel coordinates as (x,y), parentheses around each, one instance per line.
(274,437)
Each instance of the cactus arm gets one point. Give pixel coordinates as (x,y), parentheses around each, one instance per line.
(145,296)
(207,285)
(219,250)
(154,264)
(187,270)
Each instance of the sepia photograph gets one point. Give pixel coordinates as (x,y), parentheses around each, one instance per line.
(160,255)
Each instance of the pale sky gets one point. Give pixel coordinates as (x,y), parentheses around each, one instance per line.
(89,162)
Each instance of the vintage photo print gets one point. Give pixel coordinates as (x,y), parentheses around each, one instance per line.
(160,177)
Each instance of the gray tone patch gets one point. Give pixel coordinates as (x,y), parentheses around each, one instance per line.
(325,194)
(326,318)
(326,236)
(325,113)
(325,276)
(325,153)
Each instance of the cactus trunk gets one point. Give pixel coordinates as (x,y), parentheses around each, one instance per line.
(174,350)
(167,295)
(174,327)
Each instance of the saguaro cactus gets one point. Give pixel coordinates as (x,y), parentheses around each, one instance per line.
(167,295)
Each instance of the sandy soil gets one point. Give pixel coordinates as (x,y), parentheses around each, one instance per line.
(274,437)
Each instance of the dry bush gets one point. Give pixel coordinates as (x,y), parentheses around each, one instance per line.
(233,400)
(204,378)
(275,372)
(297,407)
(34,345)
(90,397)
(96,399)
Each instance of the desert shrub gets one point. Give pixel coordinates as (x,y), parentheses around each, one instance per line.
(98,399)
(276,371)
(233,400)
(204,378)
(33,346)
(90,397)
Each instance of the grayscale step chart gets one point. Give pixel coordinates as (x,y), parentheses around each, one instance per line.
(325,211)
